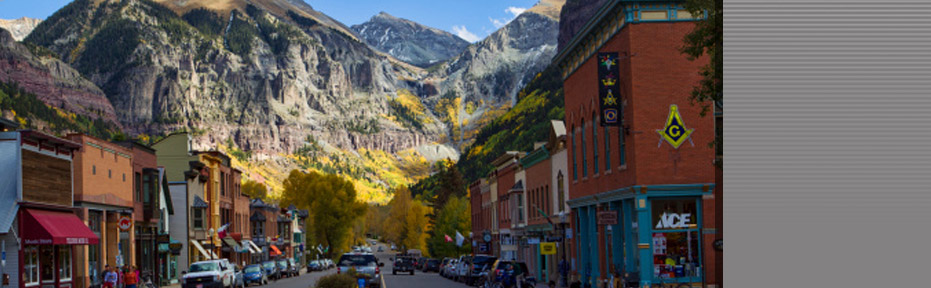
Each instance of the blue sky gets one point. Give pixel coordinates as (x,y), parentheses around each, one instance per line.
(470,19)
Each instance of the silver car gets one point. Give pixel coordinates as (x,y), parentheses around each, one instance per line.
(365,265)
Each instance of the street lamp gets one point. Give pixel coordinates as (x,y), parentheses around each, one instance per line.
(210,238)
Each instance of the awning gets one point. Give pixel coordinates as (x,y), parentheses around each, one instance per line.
(274,251)
(232,244)
(200,248)
(255,247)
(246,246)
(43,227)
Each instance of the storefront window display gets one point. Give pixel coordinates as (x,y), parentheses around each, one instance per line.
(47,264)
(676,242)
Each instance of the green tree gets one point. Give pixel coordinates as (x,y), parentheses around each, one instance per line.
(450,183)
(254,189)
(707,38)
(333,205)
(455,216)
(408,220)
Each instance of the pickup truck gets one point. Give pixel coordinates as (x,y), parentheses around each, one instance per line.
(209,274)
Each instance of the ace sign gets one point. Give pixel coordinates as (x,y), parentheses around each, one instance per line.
(125,223)
(671,214)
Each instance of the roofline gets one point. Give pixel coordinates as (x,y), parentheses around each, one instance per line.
(586,29)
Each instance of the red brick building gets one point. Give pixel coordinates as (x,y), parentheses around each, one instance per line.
(641,192)
(507,165)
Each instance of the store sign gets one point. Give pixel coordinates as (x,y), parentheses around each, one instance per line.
(533,241)
(607,218)
(674,132)
(547,248)
(125,223)
(674,221)
(609,89)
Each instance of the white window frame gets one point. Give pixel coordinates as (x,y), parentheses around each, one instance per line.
(64,266)
(31,270)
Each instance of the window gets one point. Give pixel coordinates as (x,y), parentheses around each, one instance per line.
(575,168)
(607,149)
(124,177)
(222,184)
(147,189)
(110,173)
(621,145)
(31,265)
(520,207)
(137,181)
(594,144)
(584,155)
(47,264)
(198,218)
(64,263)
(559,190)
(94,169)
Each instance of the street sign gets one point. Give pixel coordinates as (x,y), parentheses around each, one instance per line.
(547,248)
(532,241)
(486,236)
(607,218)
(125,223)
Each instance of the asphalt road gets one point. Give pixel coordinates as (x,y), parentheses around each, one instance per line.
(418,280)
(303,281)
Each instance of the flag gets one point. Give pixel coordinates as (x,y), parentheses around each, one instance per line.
(459,239)
(222,231)
(448,239)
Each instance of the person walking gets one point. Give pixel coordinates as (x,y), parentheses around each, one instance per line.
(110,278)
(130,278)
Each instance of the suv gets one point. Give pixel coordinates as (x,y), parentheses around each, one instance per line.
(403,264)
(479,264)
(209,274)
(462,268)
(366,265)
(271,270)
(431,265)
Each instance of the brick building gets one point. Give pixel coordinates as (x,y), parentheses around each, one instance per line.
(641,192)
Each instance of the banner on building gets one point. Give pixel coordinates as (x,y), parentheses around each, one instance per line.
(609,89)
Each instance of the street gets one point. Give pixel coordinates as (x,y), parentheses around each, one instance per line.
(419,279)
(303,281)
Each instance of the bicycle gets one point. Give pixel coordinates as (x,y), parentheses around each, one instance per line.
(147,282)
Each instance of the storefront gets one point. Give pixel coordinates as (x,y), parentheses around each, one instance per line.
(48,238)
(655,237)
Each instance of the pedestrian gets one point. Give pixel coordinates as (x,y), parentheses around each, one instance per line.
(110,278)
(130,278)
(103,273)
(564,272)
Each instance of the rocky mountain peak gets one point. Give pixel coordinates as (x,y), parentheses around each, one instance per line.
(19,28)
(409,41)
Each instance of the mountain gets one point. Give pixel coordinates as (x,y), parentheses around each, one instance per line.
(19,27)
(409,41)
(280,86)
(52,81)
(484,80)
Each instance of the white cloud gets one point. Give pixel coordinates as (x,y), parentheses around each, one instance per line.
(462,32)
(514,11)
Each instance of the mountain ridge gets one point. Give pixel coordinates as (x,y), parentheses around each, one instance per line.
(409,41)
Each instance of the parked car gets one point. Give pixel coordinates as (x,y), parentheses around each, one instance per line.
(480,263)
(294,266)
(314,265)
(450,269)
(254,274)
(402,264)
(431,265)
(285,268)
(443,263)
(497,271)
(271,270)
(365,265)
(209,274)
(462,268)
(381,249)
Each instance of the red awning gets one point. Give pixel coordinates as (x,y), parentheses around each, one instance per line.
(274,251)
(43,227)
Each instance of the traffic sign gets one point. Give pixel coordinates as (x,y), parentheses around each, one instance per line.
(547,248)
(125,223)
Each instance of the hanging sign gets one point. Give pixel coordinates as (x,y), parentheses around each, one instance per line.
(609,89)
(547,248)
(125,223)
(674,132)
(607,218)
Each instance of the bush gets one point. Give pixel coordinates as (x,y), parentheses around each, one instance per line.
(207,22)
(240,35)
(337,281)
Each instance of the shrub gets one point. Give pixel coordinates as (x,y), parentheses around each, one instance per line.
(207,22)
(337,281)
